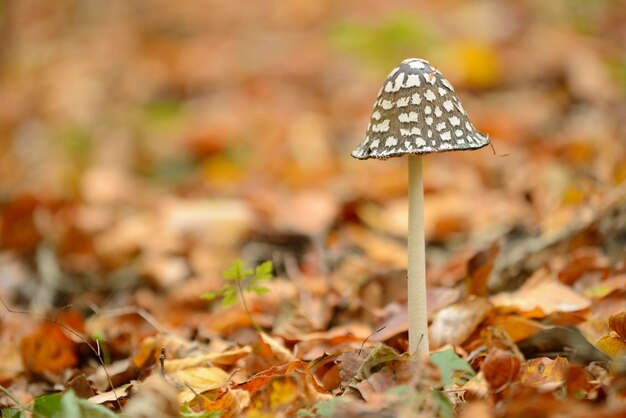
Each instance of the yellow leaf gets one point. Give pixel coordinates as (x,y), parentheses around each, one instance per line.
(613,346)
(544,372)
(283,393)
(226,358)
(197,380)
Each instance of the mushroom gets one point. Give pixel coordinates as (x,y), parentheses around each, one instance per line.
(417,112)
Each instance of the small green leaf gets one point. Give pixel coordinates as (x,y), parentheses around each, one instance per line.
(442,404)
(259,290)
(230,297)
(47,405)
(264,271)
(212,295)
(237,271)
(12,413)
(450,364)
(75,407)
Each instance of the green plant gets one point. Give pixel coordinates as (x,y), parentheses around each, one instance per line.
(239,279)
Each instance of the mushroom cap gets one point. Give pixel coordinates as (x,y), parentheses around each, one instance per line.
(417,112)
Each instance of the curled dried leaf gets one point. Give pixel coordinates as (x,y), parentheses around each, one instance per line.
(501,368)
(617,322)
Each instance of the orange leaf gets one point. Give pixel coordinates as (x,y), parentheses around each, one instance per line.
(230,401)
(544,372)
(501,368)
(517,327)
(283,388)
(617,322)
(479,267)
(48,350)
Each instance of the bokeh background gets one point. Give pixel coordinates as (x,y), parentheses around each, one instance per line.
(147,144)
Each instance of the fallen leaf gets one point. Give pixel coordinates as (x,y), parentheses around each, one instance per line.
(476,388)
(561,341)
(350,362)
(194,380)
(453,369)
(479,268)
(283,389)
(11,364)
(613,345)
(380,249)
(476,409)
(617,322)
(155,398)
(48,350)
(81,386)
(226,358)
(326,370)
(271,351)
(113,394)
(501,368)
(452,325)
(544,372)
(228,402)
(542,291)
(382,369)
(579,382)
(517,327)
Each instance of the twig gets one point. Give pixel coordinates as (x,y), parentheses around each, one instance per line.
(370,336)
(145,315)
(17,401)
(494,150)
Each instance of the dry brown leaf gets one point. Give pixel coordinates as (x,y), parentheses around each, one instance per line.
(479,267)
(11,364)
(155,398)
(476,409)
(231,402)
(517,327)
(81,386)
(542,291)
(617,322)
(380,250)
(476,388)
(578,381)
(48,350)
(307,212)
(272,351)
(501,369)
(285,388)
(114,394)
(219,221)
(226,358)
(452,325)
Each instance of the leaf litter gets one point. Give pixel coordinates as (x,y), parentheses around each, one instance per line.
(153,155)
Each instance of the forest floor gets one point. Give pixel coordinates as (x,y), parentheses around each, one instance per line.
(184,233)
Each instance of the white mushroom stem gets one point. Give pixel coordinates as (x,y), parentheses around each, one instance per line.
(418,319)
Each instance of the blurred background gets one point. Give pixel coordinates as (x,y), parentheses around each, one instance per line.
(147,144)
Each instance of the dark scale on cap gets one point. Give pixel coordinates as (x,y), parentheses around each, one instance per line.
(417,112)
